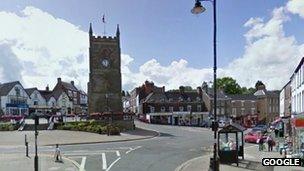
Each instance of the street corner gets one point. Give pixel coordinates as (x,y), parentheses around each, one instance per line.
(45,162)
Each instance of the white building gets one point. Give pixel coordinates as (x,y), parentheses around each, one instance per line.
(14,99)
(297,89)
(282,102)
(37,102)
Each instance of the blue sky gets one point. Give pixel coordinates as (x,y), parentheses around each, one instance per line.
(166,30)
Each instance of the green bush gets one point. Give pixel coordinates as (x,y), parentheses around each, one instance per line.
(91,126)
(7,127)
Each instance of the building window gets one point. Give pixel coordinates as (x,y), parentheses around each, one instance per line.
(199,108)
(189,107)
(36,96)
(180,99)
(17,91)
(243,111)
(170,99)
(234,111)
(269,109)
(189,99)
(252,111)
(163,109)
(198,99)
(171,108)
(162,100)
(222,111)
(152,109)
(242,103)
(181,108)
(35,103)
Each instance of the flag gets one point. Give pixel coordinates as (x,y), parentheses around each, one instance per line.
(103,19)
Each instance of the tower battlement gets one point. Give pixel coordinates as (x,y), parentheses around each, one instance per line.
(103,38)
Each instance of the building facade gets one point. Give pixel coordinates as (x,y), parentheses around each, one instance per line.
(175,107)
(14,99)
(104,87)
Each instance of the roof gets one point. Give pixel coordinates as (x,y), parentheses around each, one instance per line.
(243,97)
(174,95)
(6,87)
(68,86)
(299,65)
(29,91)
(219,93)
(46,94)
(233,127)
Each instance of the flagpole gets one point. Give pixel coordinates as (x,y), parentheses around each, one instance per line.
(104,25)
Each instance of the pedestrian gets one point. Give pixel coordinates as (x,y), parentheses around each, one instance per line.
(269,141)
(261,143)
(57,154)
(276,132)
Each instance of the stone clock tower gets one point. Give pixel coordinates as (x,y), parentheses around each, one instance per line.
(104,87)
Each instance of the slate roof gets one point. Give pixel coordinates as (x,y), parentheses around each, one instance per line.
(46,94)
(68,86)
(243,97)
(174,95)
(29,91)
(6,87)
(220,94)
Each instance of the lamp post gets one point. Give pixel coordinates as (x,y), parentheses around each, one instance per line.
(36,149)
(197,9)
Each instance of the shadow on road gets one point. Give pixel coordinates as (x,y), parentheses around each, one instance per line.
(161,134)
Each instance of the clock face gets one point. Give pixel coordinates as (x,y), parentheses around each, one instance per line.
(105,62)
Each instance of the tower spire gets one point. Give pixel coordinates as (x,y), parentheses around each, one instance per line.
(117,31)
(90,30)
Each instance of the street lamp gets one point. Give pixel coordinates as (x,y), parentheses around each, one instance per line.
(197,9)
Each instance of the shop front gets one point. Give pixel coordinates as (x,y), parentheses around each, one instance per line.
(298,133)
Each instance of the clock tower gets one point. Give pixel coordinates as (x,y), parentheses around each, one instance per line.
(104,87)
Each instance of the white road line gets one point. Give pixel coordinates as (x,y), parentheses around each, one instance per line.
(104,161)
(113,163)
(83,161)
(117,153)
(132,149)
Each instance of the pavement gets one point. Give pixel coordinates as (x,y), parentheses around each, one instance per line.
(62,137)
(252,161)
(18,162)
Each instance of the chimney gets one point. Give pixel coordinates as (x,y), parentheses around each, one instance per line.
(261,87)
(163,89)
(47,88)
(59,80)
(182,89)
(72,82)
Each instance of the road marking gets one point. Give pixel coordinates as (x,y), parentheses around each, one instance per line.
(104,161)
(117,153)
(113,163)
(83,161)
(132,149)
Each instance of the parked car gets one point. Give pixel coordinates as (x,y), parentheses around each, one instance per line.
(252,137)
(262,128)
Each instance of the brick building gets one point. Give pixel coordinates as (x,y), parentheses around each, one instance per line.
(175,107)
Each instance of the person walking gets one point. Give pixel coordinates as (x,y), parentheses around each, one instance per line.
(269,141)
(260,142)
(57,154)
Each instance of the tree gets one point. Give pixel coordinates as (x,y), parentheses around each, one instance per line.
(258,84)
(229,85)
(188,88)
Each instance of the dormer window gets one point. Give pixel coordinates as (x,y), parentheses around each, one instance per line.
(162,100)
(198,99)
(189,99)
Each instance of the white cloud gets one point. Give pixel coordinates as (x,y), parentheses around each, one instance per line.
(269,55)
(296,7)
(40,43)
(44,47)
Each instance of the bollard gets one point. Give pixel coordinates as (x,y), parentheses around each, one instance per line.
(26,152)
